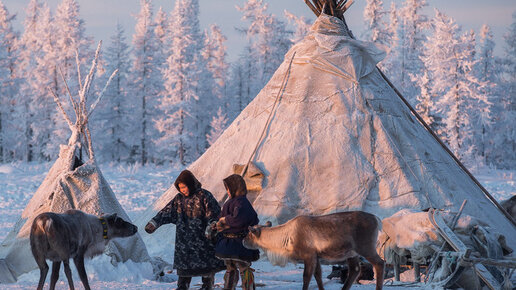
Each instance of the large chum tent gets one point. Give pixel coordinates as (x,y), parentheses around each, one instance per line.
(71,183)
(337,136)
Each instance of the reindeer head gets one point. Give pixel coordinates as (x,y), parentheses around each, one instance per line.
(251,241)
(118,227)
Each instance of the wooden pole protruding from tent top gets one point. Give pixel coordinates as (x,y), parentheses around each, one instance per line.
(82,114)
(334,8)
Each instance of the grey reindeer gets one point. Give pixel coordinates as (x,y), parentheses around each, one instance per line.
(72,235)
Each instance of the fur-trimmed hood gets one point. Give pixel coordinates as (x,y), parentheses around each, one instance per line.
(236,185)
(186,177)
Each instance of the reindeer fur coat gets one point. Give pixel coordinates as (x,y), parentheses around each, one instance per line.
(194,254)
(239,215)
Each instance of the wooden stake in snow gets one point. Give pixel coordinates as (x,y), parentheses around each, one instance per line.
(80,131)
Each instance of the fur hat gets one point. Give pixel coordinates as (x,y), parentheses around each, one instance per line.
(236,185)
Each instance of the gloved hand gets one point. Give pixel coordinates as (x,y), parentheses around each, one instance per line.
(211,231)
(150,228)
(221,224)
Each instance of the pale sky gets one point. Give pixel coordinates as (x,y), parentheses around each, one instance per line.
(101,16)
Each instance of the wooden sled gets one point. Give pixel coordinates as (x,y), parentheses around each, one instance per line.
(463,256)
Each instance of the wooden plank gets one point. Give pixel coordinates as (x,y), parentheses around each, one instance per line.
(459,246)
(347,5)
(448,234)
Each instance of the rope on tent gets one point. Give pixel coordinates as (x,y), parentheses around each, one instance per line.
(282,87)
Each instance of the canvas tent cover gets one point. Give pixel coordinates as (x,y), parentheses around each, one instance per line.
(339,139)
(64,188)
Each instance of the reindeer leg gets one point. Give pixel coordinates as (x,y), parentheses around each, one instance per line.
(43,270)
(79,264)
(379,266)
(68,273)
(55,274)
(310,265)
(353,272)
(318,275)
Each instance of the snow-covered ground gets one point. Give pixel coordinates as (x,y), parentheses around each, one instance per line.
(136,188)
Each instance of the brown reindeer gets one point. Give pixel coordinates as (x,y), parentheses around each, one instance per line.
(72,235)
(328,239)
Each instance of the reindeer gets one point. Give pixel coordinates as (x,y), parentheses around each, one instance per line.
(72,235)
(328,239)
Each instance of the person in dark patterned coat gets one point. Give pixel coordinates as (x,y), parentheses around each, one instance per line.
(237,216)
(191,210)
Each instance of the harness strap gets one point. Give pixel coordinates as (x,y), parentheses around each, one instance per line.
(104,228)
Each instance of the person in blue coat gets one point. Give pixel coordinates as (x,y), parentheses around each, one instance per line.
(237,216)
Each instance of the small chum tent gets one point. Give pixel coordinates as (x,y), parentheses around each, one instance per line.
(71,183)
(337,136)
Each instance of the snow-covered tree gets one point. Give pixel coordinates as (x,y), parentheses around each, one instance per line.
(425,100)
(241,91)
(448,57)
(485,72)
(269,40)
(410,36)
(162,34)
(28,47)
(218,125)
(146,82)
(183,120)
(376,28)
(113,118)
(10,109)
(390,64)
(505,107)
(302,26)
(214,54)
(35,63)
